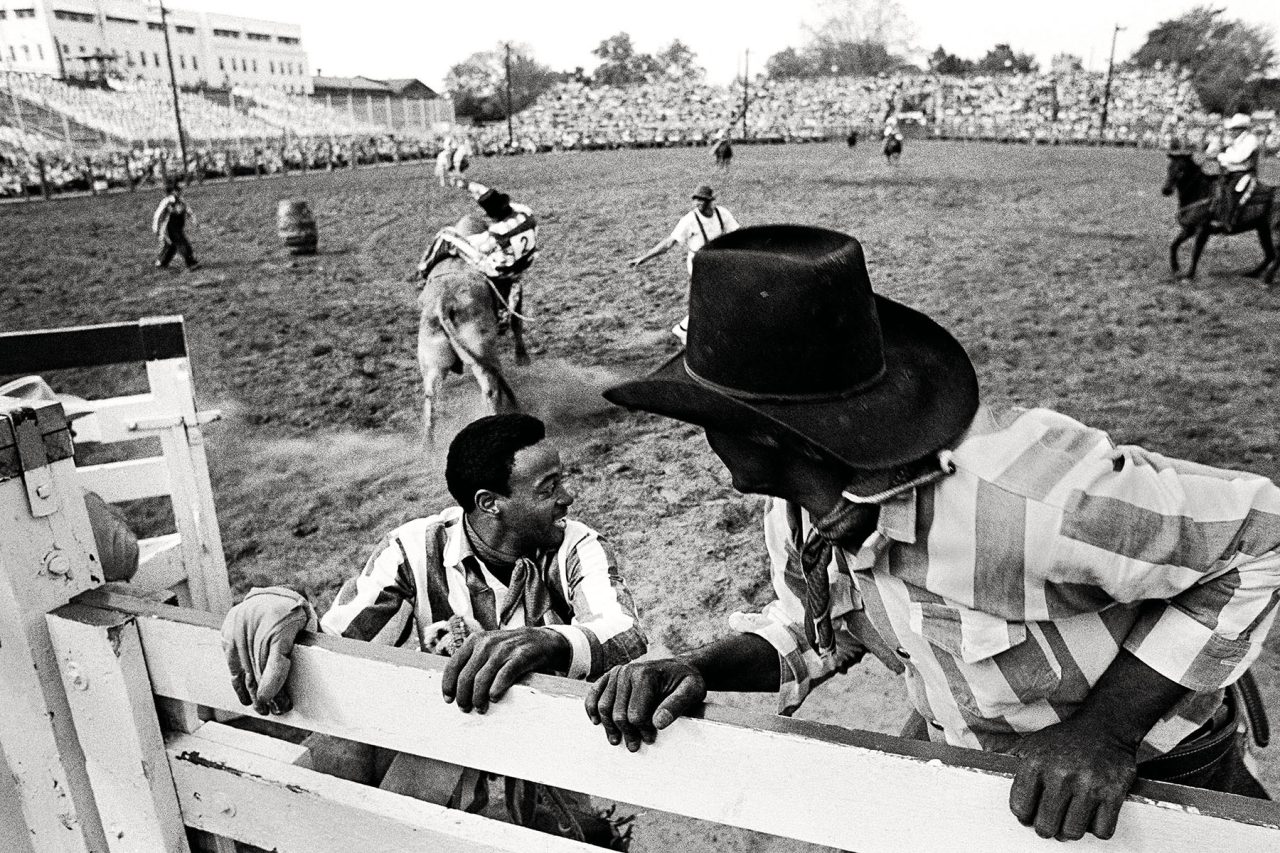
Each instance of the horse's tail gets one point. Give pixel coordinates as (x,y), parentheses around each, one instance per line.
(444,313)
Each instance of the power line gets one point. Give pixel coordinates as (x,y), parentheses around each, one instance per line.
(1106,89)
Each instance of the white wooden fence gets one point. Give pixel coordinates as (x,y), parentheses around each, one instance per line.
(97,768)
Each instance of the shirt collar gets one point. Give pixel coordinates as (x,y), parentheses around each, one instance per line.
(456,547)
(898,517)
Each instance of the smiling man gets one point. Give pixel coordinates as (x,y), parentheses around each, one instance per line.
(505,583)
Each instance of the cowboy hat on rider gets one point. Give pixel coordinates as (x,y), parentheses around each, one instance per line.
(1239,121)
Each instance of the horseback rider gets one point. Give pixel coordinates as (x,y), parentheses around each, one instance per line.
(501,248)
(1238,159)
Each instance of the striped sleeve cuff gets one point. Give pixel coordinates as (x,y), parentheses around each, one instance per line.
(579,649)
(1183,650)
(794,656)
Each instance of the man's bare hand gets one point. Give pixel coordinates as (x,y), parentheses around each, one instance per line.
(1073,778)
(490,662)
(257,638)
(635,700)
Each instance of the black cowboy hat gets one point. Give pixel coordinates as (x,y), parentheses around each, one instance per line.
(785,334)
(494,203)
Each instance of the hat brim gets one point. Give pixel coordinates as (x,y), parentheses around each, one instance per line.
(927,398)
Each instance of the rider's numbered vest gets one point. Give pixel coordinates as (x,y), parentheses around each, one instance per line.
(515,243)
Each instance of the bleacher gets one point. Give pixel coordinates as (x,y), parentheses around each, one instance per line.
(301,115)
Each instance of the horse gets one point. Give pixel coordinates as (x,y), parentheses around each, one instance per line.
(892,148)
(457,329)
(723,152)
(1196,191)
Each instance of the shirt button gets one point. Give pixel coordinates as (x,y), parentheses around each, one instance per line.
(902,653)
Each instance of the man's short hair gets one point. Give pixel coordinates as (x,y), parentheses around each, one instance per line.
(482,453)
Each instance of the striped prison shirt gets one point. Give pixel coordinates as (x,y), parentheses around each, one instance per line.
(1003,591)
(417,576)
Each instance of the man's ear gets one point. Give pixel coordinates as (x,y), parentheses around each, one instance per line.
(487,501)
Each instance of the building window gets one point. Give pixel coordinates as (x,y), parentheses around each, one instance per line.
(12,56)
(26,53)
(255,65)
(3,14)
(257,37)
(227,34)
(40,51)
(156,58)
(112,19)
(155,25)
(78,17)
(286,39)
(182,62)
(82,48)
(186,31)
(194,66)
(24,13)
(271,66)
(66,49)
(222,65)
(142,59)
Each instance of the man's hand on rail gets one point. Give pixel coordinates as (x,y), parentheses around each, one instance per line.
(488,663)
(257,637)
(635,700)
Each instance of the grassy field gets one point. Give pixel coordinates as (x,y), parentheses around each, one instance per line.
(1050,265)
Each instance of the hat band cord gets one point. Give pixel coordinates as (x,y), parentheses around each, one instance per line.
(785,398)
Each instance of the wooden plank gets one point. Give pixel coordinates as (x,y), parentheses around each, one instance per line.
(129,480)
(823,784)
(194,514)
(289,809)
(100,658)
(41,350)
(159,563)
(43,563)
(259,744)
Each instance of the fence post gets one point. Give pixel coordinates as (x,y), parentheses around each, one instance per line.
(88,171)
(46,556)
(44,177)
(104,676)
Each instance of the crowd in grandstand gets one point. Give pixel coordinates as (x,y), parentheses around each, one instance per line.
(261,133)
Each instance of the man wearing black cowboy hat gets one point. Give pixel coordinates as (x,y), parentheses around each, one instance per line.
(1043,592)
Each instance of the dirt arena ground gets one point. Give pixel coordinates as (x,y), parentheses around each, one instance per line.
(1049,265)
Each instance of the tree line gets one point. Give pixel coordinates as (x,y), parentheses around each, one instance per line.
(1228,60)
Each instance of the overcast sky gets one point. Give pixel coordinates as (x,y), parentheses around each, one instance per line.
(401,38)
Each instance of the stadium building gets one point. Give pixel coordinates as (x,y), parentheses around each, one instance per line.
(93,39)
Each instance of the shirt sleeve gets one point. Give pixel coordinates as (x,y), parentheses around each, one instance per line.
(730,223)
(160,211)
(1199,547)
(1239,152)
(377,605)
(683,230)
(605,630)
(781,623)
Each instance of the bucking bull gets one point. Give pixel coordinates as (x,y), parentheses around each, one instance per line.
(459,324)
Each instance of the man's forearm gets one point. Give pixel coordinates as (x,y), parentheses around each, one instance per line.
(744,663)
(1130,698)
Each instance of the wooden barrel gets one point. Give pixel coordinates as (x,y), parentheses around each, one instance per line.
(297,226)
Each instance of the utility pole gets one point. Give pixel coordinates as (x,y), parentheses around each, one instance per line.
(746,77)
(511,143)
(1106,89)
(173,85)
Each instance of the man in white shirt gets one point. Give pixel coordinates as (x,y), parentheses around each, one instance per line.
(1239,163)
(695,229)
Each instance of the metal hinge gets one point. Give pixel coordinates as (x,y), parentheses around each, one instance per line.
(33,464)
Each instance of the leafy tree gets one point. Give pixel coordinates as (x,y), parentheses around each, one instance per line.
(621,65)
(863,58)
(1002,59)
(1065,63)
(787,64)
(941,62)
(677,61)
(879,22)
(479,83)
(1226,58)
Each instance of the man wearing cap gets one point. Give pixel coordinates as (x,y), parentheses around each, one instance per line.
(1239,163)
(695,229)
(1043,591)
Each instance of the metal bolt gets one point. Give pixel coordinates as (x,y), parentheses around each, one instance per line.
(57,563)
(76,677)
(44,490)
